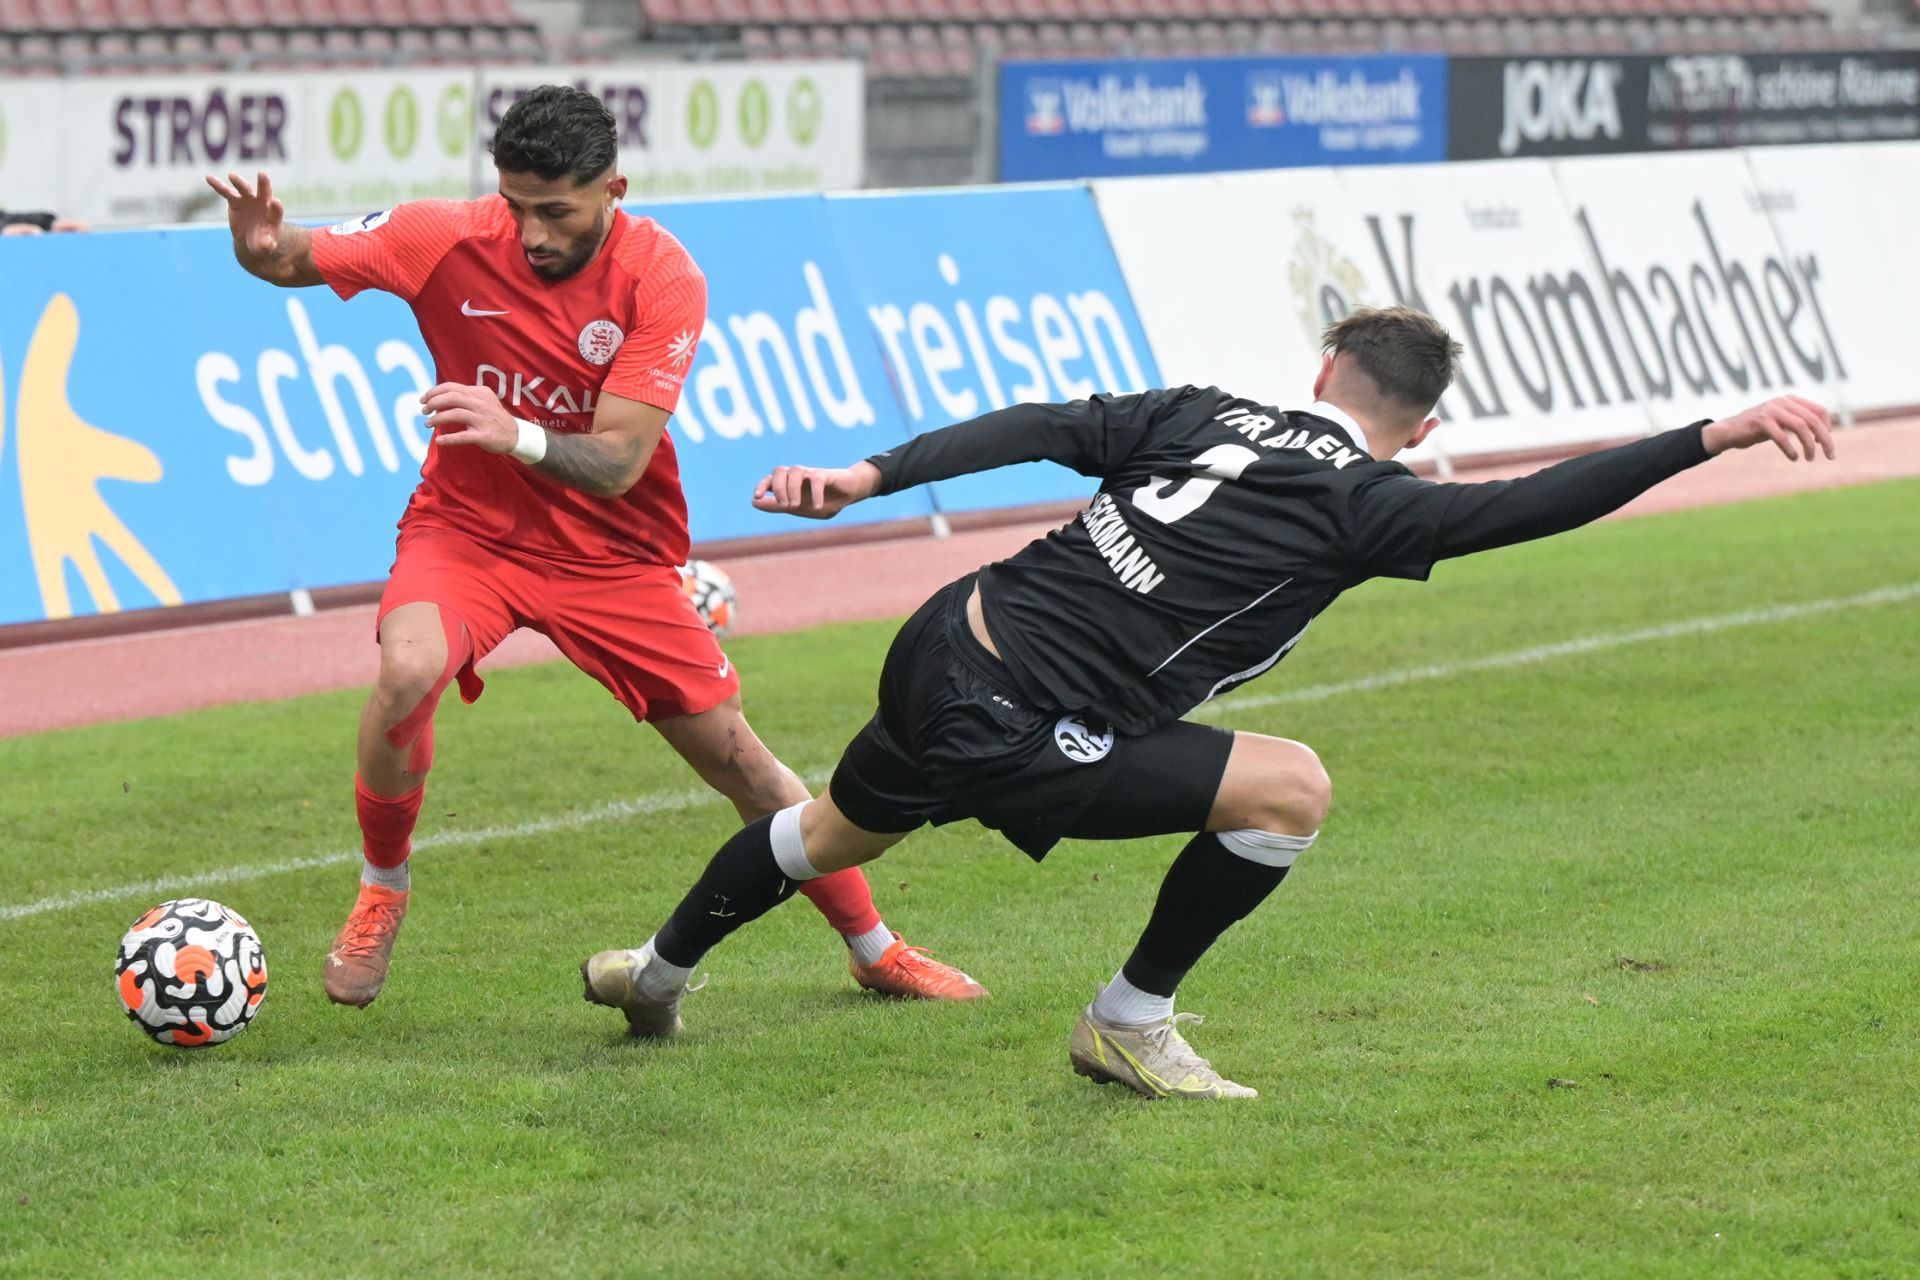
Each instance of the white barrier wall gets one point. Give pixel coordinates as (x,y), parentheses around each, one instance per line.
(1595,297)
(1848,213)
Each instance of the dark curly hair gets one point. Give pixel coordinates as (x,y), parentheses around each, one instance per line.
(556,130)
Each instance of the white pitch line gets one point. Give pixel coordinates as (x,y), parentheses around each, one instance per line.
(663,801)
(637,807)
(1567,649)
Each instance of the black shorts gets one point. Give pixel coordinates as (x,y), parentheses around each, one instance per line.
(954,738)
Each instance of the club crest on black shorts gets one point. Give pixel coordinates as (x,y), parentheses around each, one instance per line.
(1079,743)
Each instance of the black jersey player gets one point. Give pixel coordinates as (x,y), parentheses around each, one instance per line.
(1042,695)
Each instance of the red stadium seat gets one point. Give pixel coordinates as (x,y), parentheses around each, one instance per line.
(19,16)
(58,15)
(95,15)
(110,47)
(498,13)
(840,11)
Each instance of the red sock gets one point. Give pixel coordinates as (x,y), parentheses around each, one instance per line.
(844,899)
(386,823)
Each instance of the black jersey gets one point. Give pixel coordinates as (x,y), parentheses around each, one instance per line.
(1221,529)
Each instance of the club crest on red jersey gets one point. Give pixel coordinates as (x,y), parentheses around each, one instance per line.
(354,226)
(599,341)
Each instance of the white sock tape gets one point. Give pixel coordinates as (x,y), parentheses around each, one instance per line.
(789,850)
(1268,848)
(533,442)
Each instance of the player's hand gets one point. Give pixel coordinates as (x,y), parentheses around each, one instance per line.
(818,493)
(1800,427)
(254,214)
(460,414)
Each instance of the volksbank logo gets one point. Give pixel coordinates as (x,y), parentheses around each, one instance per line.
(1043,108)
(1329,98)
(1111,104)
(1264,95)
(1559,101)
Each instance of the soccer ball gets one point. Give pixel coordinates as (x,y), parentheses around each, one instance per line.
(191,973)
(712,593)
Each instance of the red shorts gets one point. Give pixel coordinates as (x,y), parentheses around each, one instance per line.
(632,628)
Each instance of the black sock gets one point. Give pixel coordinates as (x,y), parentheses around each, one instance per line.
(742,883)
(1207,889)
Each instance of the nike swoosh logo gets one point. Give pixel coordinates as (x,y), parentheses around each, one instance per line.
(725,665)
(467,309)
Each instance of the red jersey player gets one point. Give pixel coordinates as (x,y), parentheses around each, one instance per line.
(562,330)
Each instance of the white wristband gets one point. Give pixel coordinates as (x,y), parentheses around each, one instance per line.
(533,443)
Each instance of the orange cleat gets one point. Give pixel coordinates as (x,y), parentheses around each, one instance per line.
(909,973)
(356,968)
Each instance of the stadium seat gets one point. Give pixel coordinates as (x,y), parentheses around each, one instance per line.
(95,15)
(57,15)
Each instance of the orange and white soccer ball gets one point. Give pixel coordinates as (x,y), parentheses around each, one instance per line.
(191,973)
(712,594)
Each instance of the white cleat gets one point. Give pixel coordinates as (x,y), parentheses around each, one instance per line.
(1154,1060)
(612,978)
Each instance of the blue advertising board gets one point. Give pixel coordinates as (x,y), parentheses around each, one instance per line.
(1113,118)
(172,430)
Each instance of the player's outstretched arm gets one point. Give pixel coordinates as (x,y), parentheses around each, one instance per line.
(1401,526)
(1092,436)
(266,244)
(604,462)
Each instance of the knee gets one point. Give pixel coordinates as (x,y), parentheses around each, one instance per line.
(408,675)
(1299,793)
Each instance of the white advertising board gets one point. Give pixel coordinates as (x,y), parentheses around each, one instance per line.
(1717,317)
(1845,215)
(1236,276)
(714,129)
(134,150)
(1232,274)
(126,151)
(1596,298)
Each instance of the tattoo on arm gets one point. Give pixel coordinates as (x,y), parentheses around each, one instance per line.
(601,465)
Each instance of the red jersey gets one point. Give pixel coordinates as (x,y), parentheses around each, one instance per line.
(627,323)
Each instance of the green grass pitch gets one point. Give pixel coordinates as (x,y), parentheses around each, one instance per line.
(1605,966)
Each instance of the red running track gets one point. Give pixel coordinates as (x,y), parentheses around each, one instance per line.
(60,685)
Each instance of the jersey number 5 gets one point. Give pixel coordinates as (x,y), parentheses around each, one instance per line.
(1161,499)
